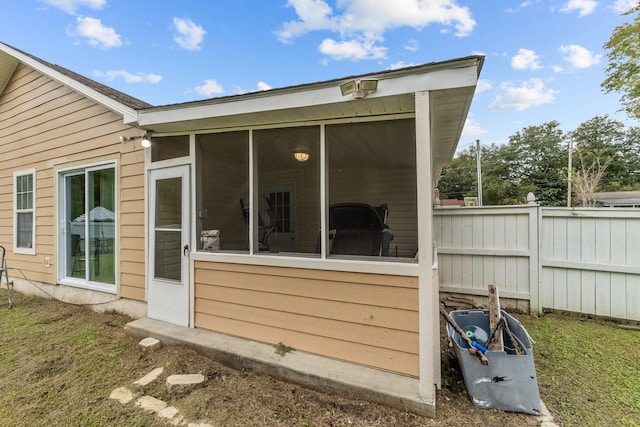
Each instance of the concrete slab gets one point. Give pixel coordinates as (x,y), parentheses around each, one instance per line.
(122,395)
(151,404)
(149,378)
(150,344)
(309,370)
(184,383)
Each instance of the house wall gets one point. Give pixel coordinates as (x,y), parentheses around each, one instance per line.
(369,319)
(43,125)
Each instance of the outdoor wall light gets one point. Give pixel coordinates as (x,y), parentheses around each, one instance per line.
(146,139)
(359,88)
(301,156)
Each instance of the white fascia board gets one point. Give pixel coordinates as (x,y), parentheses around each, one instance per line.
(414,80)
(130,116)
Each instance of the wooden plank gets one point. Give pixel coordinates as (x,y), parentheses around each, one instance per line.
(494,318)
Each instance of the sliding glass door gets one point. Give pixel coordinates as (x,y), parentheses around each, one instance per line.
(88,225)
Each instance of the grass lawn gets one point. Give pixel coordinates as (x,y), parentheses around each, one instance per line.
(60,362)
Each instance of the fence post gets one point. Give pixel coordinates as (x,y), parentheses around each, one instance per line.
(535,273)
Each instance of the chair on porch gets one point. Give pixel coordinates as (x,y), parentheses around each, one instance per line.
(80,260)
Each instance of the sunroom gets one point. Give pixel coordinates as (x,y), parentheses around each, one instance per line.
(302,215)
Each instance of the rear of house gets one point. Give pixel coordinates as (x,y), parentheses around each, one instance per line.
(300,215)
(72,196)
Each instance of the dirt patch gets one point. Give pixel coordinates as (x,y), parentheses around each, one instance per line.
(60,362)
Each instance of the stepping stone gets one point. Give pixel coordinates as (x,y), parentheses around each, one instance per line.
(151,404)
(122,395)
(149,378)
(171,413)
(150,344)
(184,383)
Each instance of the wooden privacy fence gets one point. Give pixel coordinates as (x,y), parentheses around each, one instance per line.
(581,260)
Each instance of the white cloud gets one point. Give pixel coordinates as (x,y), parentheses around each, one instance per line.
(70,6)
(189,35)
(399,64)
(583,7)
(210,87)
(411,45)
(472,128)
(525,60)
(528,94)
(353,49)
(579,57)
(96,33)
(128,77)
(263,86)
(482,86)
(364,22)
(623,6)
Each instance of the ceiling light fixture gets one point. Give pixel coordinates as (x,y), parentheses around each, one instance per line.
(301,156)
(359,88)
(146,139)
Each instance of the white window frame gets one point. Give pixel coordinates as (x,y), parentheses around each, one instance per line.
(16,212)
(61,197)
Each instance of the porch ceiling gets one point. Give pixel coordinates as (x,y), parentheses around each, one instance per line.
(450,84)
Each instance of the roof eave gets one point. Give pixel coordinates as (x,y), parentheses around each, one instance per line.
(130,115)
(462,72)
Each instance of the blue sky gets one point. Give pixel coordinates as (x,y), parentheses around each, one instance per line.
(544,59)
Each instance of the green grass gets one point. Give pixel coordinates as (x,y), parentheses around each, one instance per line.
(59,363)
(588,370)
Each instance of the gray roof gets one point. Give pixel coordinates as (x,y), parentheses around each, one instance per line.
(111,98)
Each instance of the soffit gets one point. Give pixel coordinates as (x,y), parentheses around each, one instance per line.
(8,65)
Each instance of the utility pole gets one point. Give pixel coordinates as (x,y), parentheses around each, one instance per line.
(569,176)
(479,172)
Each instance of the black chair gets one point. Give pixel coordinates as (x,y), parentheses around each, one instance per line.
(264,230)
(358,229)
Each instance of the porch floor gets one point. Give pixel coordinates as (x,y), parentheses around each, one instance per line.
(309,370)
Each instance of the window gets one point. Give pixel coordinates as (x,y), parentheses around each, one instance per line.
(370,190)
(24,230)
(87,210)
(169,147)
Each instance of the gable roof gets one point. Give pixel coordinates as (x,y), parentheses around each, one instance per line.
(110,98)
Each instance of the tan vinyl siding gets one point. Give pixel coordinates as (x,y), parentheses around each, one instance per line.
(44,125)
(368,319)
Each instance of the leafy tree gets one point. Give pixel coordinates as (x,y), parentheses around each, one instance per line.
(535,161)
(623,71)
(459,179)
(603,138)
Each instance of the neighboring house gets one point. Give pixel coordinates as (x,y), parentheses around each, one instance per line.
(314,203)
(618,199)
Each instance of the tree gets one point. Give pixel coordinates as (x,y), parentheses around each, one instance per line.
(600,138)
(459,179)
(535,161)
(623,71)
(588,176)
